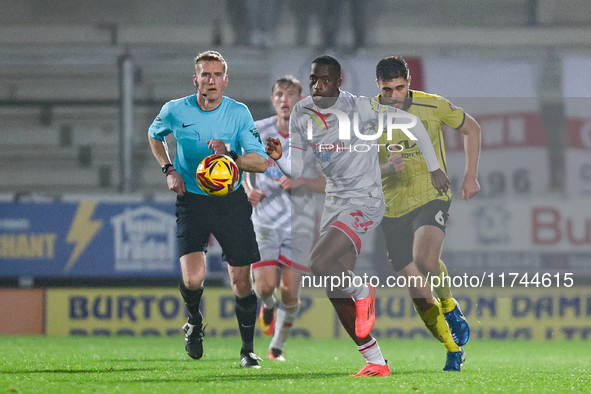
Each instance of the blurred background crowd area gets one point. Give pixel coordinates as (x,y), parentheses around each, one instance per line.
(80,82)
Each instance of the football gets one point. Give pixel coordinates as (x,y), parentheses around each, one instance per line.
(218,175)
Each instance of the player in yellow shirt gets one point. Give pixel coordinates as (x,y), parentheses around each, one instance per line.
(416,214)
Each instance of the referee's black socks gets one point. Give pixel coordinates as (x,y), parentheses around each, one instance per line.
(192,300)
(246,313)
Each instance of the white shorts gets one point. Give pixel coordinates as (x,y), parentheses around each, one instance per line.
(278,248)
(355,217)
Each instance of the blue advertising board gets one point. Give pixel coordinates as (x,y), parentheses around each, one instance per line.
(88,239)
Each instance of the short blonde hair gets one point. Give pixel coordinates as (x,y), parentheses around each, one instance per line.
(287,82)
(208,56)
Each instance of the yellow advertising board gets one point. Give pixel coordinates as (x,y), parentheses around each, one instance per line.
(497,313)
(529,314)
(162,312)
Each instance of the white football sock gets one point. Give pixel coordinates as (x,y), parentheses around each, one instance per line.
(285,318)
(372,353)
(268,302)
(354,291)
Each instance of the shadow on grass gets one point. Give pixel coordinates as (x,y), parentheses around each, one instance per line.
(421,372)
(257,375)
(96,370)
(166,360)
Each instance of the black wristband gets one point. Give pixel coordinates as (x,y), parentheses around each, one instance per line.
(233,155)
(165,168)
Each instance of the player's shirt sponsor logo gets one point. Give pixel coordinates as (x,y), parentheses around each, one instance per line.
(318,115)
(272,170)
(406,144)
(323,156)
(187,125)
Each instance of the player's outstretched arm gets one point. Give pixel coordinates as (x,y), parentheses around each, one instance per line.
(274,149)
(250,162)
(293,165)
(472,138)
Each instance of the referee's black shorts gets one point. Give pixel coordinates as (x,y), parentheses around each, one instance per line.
(399,232)
(227,218)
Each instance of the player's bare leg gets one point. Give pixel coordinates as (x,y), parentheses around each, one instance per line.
(328,259)
(193,274)
(367,346)
(265,281)
(345,308)
(287,311)
(428,241)
(342,256)
(326,255)
(431,313)
(291,280)
(427,307)
(240,281)
(427,245)
(193,270)
(346,311)
(246,313)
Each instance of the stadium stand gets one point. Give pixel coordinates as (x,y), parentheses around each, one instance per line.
(59,74)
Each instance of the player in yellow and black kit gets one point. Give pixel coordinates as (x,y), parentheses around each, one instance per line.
(416,214)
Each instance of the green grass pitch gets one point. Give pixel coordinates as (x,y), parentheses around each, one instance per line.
(160,365)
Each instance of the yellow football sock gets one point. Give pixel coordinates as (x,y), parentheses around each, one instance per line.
(436,324)
(443,291)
